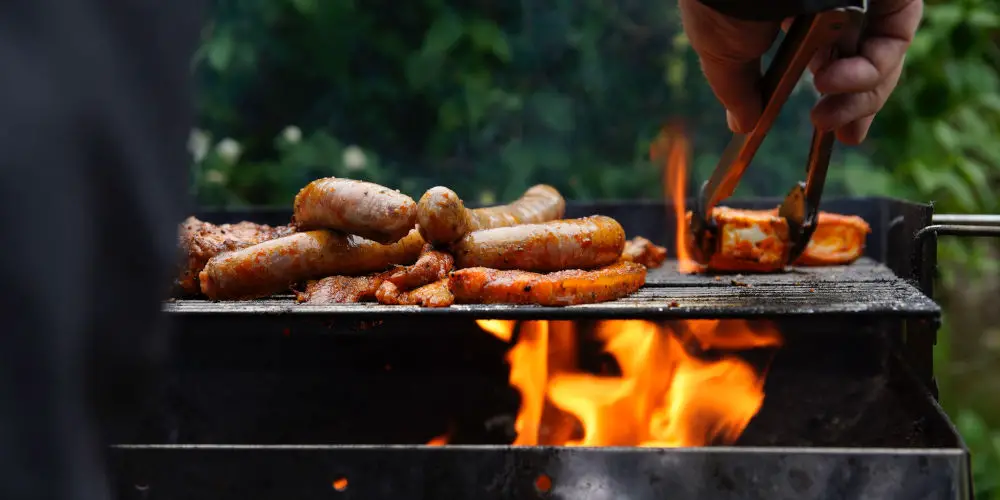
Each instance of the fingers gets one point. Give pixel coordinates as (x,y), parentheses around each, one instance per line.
(857,87)
(851,115)
(730,52)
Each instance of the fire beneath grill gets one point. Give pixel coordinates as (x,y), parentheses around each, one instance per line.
(657,385)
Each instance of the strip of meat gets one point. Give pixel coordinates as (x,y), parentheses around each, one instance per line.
(838,239)
(479,285)
(432,266)
(584,243)
(443,218)
(757,240)
(749,240)
(340,290)
(645,252)
(435,294)
(199,241)
(363,208)
(273,266)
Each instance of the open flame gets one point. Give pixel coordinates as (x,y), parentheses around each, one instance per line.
(668,394)
(672,148)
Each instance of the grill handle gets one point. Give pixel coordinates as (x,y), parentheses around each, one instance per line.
(924,262)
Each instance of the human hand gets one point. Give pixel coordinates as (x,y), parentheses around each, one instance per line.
(854,89)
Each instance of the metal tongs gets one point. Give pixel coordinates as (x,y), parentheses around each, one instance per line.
(838,30)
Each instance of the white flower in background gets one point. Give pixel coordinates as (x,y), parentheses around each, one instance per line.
(229,150)
(198,144)
(215,177)
(292,134)
(487,198)
(354,158)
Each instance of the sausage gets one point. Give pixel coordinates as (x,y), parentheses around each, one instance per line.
(479,285)
(199,241)
(645,252)
(443,218)
(434,294)
(272,266)
(583,243)
(363,208)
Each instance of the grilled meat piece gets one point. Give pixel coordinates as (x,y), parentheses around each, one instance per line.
(645,252)
(363,208)
(584,243)
(757,240)
(443,218)
(340,290)
(199,241)
(274,265)
(435,294)
(479,285)
(432,266)
(838,239)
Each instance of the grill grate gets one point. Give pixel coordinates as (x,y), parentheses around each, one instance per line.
(866,288)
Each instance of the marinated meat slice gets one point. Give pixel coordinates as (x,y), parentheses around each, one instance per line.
(479,285)
(199,241)
(434,294)
(838,239)
(645,252)
(272,266)
(443,218)
(757,240)
(585,243)
(432,266)
(749,240)
(340,290)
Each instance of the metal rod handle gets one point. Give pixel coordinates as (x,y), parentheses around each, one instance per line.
(967,219)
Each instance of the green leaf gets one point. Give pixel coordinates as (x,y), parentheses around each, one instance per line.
(554,110)
(486,35)
(446,31)
(220,51)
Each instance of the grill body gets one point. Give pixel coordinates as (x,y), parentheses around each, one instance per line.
(267,399)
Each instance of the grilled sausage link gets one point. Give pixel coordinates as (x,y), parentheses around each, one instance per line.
(443,218)
(272,266)
(369,210)
(478,285)
(583,243)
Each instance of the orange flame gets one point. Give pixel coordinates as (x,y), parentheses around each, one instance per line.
(673,148)
(665,396)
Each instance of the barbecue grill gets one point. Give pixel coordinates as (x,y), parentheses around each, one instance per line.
(272,399)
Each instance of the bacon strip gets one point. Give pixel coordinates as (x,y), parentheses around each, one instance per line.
(563,288)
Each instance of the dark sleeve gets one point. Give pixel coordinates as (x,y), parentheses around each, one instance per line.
(773,10)
(95,110)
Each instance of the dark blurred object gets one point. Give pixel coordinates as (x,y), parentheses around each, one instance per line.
(96,109)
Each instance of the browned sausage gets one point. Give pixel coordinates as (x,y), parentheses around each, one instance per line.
(551,246)
(443,218)
(375,212)
(200,241)
(273,266)
(478,285)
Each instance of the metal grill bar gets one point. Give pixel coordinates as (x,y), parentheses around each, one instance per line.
(865,288)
